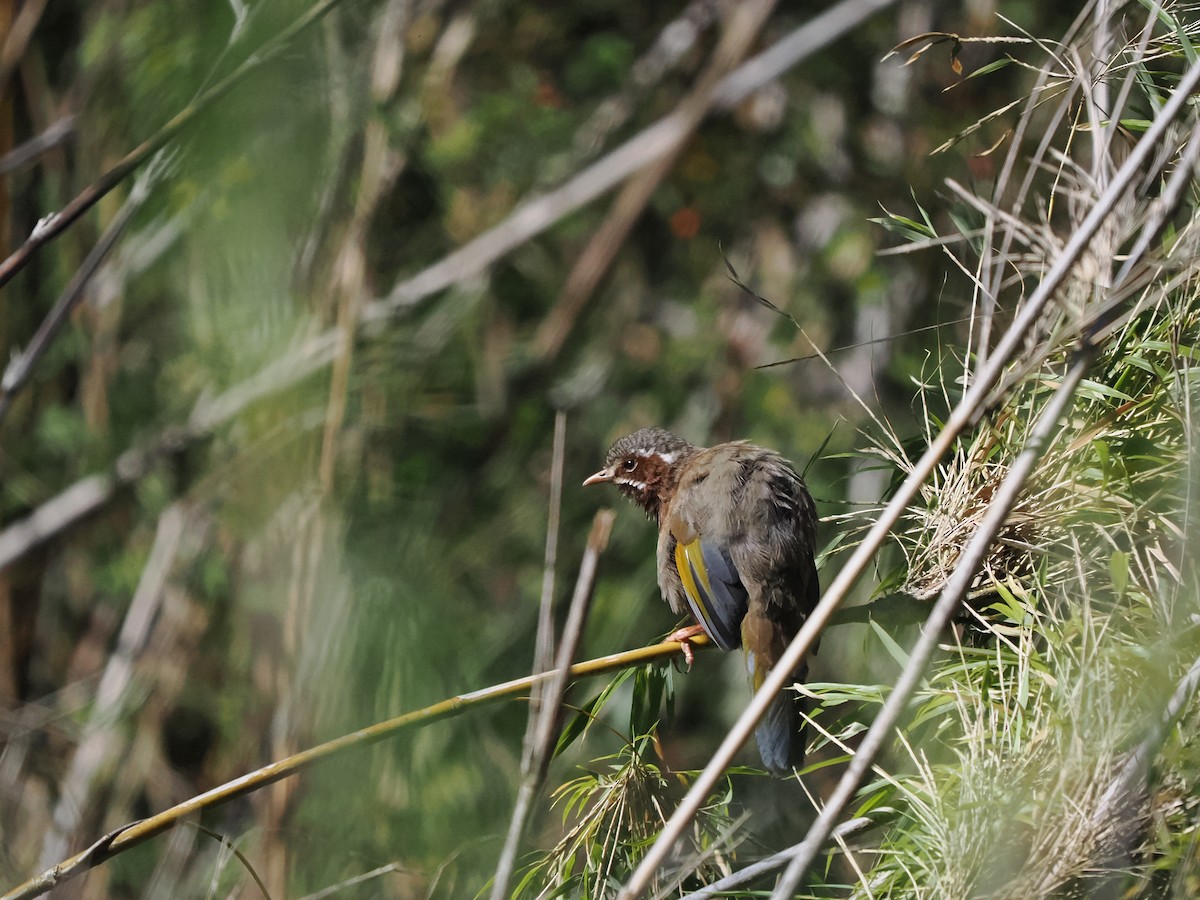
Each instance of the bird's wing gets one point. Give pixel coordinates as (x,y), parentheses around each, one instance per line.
(713,588)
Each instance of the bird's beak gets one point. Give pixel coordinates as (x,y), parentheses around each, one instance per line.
(599,478)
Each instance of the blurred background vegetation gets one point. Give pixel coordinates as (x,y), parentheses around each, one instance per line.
(229,533)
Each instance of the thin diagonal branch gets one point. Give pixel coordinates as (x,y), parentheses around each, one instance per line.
(58,132)
(87,496)
(769,864)
(335,890)
(55,224)
(819,31)
(20,366)
(91,494)
(17,39)
(675,41)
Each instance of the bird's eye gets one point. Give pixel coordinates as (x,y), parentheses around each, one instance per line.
(630,464)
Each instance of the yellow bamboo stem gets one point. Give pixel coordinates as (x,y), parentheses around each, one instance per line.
(135,833)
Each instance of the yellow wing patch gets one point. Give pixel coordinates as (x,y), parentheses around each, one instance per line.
(689,560)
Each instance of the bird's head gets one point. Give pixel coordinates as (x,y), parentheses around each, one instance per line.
(644,466)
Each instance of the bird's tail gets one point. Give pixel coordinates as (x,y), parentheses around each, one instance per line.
(782,733)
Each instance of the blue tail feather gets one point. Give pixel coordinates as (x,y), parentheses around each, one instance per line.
(782,734)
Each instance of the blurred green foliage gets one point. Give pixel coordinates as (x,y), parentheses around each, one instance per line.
(299,610)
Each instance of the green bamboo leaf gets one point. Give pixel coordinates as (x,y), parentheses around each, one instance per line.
(994,66)
(1118,570)
(1164,16)
(889,643)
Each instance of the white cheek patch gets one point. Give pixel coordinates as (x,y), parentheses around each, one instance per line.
(668,458)
(639,485)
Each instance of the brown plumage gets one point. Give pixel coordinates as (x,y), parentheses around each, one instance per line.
(736,539)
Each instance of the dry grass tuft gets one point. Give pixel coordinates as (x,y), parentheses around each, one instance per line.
(1024,770)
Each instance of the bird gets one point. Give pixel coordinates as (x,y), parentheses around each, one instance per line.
(736,545)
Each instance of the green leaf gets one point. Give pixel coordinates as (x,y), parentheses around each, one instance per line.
(1009,606)
(889,643)
(1174,25)
(650,687)
(588,712)
(991,67)
(910,228)
(1095,390)
(825,764)
(1136,125)
(874,799)
(831,693)
(1118,570)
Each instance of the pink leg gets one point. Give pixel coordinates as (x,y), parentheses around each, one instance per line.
(683,637)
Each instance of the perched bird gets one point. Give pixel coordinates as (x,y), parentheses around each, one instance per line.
(736,538)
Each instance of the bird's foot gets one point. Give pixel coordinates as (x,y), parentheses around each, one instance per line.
(683,637)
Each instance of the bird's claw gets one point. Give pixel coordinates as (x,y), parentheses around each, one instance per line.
(683,637)
(689,655)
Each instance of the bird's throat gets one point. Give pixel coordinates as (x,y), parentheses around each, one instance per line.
(647,497)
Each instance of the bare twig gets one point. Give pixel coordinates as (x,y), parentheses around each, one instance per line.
(967,411)
(819,31)
(334,890)
(542,696)
(543,654)
(548,713)
(58,132)
(770,863)
(673,44)
(90,494)
(20,367)
(86,496)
